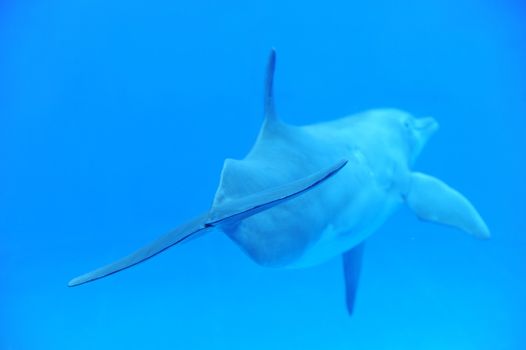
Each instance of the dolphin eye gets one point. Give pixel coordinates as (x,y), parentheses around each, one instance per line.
(406,124)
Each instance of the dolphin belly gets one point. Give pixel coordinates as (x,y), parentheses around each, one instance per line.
(346,233)
(323,223)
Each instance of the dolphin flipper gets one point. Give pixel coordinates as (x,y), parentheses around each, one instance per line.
(229,211)
(352,265)
(432,200)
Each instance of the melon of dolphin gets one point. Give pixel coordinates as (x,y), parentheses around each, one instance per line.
(305,194)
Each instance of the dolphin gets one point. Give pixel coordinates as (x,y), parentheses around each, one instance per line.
(305,194)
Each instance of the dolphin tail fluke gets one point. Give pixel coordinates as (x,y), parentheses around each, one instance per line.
(172,238)
(352,265)
(433,200)
(234,209)
(224,213)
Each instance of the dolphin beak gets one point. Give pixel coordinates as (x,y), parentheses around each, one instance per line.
(426,126)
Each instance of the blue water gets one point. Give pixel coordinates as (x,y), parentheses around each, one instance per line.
(116,116)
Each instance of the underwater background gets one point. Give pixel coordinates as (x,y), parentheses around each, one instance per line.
(115,119)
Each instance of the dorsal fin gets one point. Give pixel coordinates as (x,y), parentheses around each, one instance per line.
(270,112)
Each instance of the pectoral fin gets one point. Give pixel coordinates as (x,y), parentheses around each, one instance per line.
(352,265)
(432,200)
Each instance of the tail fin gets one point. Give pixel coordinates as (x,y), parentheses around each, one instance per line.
(233,210)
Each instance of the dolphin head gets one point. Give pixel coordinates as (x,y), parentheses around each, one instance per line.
(402,131)
(418,131)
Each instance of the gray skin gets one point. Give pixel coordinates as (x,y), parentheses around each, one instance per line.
(306,194)
(380,146)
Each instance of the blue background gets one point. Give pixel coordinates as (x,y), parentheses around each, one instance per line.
(115,118)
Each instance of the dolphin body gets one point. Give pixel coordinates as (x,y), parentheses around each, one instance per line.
(305,194)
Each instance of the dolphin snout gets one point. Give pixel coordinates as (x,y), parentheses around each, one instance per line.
(426,126)
(427,123)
